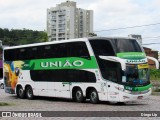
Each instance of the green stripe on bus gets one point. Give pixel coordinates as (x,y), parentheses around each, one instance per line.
(138,88)
(60,63)
(131,55)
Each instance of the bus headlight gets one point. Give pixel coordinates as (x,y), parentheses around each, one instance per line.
(127,91)
(123,90)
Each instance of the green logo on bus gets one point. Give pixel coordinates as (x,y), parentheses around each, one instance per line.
(60,63)
(136,61)
(67,63)
(131,55)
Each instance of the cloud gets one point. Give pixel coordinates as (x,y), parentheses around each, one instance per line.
(112,14)
(108,14)
(120,13)
(18,14)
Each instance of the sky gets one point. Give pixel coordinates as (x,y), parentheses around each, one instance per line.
(108,15)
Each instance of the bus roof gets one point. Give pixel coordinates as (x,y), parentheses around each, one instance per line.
(47,43)
(64,41)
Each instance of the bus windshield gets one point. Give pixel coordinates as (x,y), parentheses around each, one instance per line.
(126,45)
(135,76)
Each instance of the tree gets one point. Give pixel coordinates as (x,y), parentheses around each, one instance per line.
(21,37)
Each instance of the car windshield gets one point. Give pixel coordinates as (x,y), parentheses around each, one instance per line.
(136,75)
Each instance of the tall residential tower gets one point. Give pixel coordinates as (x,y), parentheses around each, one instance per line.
(65,21)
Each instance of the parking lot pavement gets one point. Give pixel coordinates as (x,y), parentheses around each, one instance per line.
(54,104)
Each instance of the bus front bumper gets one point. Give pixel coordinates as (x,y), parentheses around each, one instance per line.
(126,97)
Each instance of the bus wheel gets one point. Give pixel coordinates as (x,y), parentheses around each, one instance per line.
(120,103)
(94,96)
(29,93)
(20,92)
(2,86)
(79,96)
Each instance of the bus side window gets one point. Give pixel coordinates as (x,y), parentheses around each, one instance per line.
(47,51)
(9,55)
(63,50)
(22,54)
(54,51)
(83,51)
(33,53)
(80,49)
(102,47)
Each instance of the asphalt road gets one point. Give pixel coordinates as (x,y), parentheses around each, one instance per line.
(54,104)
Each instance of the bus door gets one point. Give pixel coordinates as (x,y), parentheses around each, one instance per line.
(40,85)
(112,85)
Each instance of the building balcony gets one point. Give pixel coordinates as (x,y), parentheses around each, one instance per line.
(61,13)
(61,22)
(61,36)
(61,31)
(61,19)
(61,27)
(53,32)
(53,26)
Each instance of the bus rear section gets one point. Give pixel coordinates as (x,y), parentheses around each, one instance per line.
(55,69)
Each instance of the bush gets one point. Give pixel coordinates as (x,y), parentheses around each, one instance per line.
(155,74)
(3,104)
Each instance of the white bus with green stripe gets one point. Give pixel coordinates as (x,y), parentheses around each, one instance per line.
(98,69)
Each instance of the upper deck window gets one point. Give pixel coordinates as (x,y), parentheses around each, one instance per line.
(61,50)
(102,47)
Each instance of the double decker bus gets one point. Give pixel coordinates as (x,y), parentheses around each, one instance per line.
(98,69)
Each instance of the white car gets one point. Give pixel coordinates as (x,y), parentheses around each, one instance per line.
(1,83)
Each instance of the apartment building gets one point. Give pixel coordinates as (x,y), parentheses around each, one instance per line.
(66,21)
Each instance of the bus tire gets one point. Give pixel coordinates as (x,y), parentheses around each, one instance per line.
(79,96)
(29,93)
(20,92)
(93,96)
(120,103)
(2,86)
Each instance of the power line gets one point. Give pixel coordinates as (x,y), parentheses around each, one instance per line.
(146,25)
(150,43)
(129,27)
(151,37)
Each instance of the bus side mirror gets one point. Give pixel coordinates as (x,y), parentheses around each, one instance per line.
(155,60)
(115,59)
